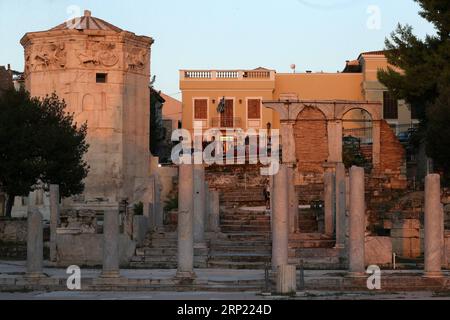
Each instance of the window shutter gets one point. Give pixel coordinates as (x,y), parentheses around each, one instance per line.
(254,110)
(200,109)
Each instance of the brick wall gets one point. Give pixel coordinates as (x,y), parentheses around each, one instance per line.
(392,152)
(311,141)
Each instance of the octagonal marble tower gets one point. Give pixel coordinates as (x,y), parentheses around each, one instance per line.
(103,73)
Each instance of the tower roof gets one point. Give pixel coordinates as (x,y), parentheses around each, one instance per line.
(86,22)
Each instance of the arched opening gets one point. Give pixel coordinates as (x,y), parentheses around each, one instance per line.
(357,138)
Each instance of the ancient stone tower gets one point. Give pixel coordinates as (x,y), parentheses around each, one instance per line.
(103,74)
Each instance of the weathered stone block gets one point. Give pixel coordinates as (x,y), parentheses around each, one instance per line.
(378,251)
(286,280)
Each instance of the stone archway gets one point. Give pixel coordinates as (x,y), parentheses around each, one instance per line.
(311,140)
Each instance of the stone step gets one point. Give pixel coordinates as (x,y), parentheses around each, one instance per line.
(243,257)
(249,216)
(241,248)
(309,236)
(246,224)
(239,236)
(316,244)
(236,265)
(237,228)
(331,263)
(317,253)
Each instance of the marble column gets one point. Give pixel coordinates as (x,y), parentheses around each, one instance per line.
(199,205)
(347,208)
(434,226)
(35,244)
(340,205)
(148,213)
(334,130)
(185,222)
(111,244)
(214,204)
(207,208)
(157,206)
(293,201)
(329,204)
(54,219)
(288,141)
(357,226)
(280,217)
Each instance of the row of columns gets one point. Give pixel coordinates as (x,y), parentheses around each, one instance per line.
(434,225)
(346,195)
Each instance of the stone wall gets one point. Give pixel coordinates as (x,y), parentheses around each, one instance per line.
(407,238)
(234,176)
(13,239)
(87,249)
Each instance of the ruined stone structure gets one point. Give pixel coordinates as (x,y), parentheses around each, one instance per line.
(103,73)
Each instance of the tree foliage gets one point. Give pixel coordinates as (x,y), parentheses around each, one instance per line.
(421,75)
(39,143)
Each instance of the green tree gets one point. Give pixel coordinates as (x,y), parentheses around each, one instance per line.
(424,79)
(39,143)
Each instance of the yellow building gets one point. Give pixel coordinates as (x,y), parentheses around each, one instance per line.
(244,91)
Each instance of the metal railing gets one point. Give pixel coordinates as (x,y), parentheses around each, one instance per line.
(225,122)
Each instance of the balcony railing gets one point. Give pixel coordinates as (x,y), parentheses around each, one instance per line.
(225,122)
(227,74)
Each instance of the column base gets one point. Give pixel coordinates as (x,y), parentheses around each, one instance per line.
(433,274)
(185,275)
(35,275)
(110,275)
(356,275)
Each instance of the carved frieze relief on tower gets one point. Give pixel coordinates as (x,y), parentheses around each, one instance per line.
(48,56)
(136,58)
(99,53)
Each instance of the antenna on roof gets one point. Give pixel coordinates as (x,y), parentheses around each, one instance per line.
(293,68)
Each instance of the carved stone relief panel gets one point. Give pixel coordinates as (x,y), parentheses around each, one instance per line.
(136,58)
(99,54)
(47,56)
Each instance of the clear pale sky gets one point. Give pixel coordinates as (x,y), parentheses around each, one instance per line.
(317,35)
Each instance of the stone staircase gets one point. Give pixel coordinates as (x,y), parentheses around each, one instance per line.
(245,242)
(251,196)
(245,220)
(249,250)
(159,251)
(314,251)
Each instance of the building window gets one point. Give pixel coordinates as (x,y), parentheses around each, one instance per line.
(254,109)
(390,106)
(201,109)
(100,77)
